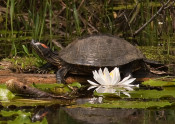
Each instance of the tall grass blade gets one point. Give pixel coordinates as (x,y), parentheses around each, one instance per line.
(77,22)
(36,26)
(12,5)
(43,19)
(6,17)
(25,50)
(50,21)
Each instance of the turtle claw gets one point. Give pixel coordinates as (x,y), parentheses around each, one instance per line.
(42,71)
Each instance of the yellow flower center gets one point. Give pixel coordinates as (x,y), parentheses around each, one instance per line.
(111,74)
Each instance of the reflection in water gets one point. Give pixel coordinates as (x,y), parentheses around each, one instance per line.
(94,100)
(66,115)
(114,89)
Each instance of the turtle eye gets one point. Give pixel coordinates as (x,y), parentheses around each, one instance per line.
(43,45)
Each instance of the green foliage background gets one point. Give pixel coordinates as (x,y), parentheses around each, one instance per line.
(65,20)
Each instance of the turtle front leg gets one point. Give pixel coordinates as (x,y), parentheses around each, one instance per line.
(61,73)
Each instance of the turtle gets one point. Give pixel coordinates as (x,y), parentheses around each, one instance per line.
(89,53)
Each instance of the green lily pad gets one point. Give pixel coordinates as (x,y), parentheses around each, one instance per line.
(21,117)
(53,88)
(153,94)
(10,113)
(5,94)
(159,83)
(32,102)
(75,84)
(57,88)
(129,104)
(3,86)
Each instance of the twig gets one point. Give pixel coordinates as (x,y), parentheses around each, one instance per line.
(143,26)
(128,24)
(80,4)
(57,44)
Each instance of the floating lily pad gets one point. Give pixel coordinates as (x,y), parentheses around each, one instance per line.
(5,94)
(10,113)
(154,94)
(75,84)
(57,88)
(129,104)
(159,83)
(31,102)
(3,86)
(21,117)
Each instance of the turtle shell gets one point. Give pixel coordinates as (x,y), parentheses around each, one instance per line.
(100,51)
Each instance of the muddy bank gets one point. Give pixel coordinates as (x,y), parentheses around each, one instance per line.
(6,75)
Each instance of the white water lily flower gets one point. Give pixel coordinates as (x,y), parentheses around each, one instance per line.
(110,79)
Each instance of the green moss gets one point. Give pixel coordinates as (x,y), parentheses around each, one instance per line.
(157,53)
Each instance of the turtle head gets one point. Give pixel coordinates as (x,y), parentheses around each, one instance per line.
(45,52)
(41,49)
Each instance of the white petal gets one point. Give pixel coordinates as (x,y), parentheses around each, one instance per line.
(127,94)
(98,77)
(117,75)
(127,82)
(100,73)
(124,79)
(129,88)
(108,79)
(137,85)
(95,74)
(91,87)
(92,83)
(100,89)
(100,80)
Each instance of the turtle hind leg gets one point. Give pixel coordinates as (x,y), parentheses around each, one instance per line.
(61,73)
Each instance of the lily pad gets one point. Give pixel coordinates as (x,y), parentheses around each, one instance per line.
(129,104)
(21,117)
(153,94)
(10,113)
(75,84)
(5,94)
(159,83)
(32,102)
(57,88)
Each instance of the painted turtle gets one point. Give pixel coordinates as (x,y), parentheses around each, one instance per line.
(92,52)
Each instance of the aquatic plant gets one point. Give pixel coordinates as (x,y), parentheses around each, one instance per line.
(110,79)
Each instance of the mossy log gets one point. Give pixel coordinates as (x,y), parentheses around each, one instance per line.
(20,88)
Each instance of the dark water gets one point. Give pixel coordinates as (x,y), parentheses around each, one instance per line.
(64,115)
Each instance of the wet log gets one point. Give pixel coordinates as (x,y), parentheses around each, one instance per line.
(20,88)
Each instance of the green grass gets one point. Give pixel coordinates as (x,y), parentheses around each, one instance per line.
(67,20)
